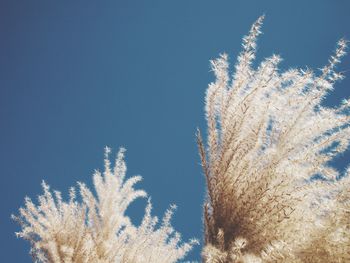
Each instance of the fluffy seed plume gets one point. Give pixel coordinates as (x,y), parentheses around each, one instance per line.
(96,230)
(272,197)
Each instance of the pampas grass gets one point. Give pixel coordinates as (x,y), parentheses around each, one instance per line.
(268,136)
(97,230)
(271,194)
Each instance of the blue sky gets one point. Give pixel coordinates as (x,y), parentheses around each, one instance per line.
(78,75)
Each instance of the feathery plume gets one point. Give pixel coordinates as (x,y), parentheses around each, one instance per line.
(268,136)
(96,230)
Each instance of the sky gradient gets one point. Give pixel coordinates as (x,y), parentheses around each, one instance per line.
(78,75)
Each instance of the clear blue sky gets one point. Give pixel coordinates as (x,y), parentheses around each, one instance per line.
(78,75)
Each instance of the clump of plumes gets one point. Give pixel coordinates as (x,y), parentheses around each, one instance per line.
(268,136)
(97,230)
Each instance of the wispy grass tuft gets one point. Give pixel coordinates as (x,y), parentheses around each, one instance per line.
(268,136)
